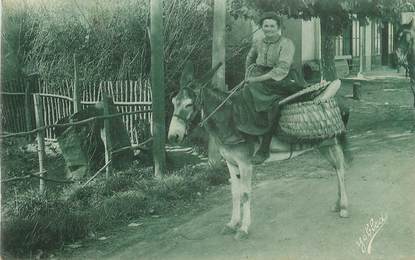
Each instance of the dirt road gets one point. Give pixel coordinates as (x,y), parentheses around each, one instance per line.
(291,201)
(291,214)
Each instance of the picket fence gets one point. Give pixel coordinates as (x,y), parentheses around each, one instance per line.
(57,99)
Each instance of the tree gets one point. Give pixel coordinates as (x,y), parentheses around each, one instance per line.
(335,15)
(157,82)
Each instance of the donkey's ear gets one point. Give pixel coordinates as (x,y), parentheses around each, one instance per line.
(187,74)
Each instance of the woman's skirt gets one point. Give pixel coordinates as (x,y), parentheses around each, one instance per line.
(256,105)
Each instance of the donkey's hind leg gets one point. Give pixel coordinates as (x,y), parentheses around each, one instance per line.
(235,180)
(334,154)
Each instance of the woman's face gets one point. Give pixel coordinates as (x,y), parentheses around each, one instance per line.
(270,27)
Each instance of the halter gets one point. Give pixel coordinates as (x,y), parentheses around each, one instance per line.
(198,105)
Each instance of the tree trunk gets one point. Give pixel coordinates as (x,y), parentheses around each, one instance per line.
(157,86)
(218,55)
(328,50)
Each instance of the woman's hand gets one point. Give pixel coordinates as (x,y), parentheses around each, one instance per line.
(261,78)
(251,80)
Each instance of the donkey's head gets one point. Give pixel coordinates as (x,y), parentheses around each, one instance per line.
(188,101)
(185,107)
(405,44)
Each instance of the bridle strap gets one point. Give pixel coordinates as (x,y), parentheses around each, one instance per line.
(180,118)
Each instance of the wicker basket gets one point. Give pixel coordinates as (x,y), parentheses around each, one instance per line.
(312,120)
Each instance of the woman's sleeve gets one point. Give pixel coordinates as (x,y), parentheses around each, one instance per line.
(251,57)
(282,68)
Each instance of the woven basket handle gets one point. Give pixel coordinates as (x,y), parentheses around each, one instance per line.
(312,88)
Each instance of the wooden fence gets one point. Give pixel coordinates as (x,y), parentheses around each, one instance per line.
(13,104)
(17,108)
(41,128)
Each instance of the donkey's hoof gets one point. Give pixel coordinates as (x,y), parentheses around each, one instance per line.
(241,235)
(344,213)
(228,230)
(335,208)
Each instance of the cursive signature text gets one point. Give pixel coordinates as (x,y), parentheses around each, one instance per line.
(369,233)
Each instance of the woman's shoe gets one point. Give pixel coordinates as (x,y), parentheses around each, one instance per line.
(260,157)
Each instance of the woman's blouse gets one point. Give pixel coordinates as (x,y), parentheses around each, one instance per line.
(277,53)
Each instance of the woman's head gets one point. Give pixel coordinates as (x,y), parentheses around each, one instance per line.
(270,23)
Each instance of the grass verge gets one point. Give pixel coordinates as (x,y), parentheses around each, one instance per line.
(33,221)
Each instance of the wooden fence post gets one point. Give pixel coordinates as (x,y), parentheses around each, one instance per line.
(357,94)
(76,93)
(40,138)
(107,132)
(28,111)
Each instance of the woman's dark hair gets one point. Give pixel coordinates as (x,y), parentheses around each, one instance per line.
(270,15)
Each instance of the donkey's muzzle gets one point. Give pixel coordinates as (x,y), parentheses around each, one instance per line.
(177,130)
(174,138)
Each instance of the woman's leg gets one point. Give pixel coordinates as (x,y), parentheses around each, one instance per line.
(264,150)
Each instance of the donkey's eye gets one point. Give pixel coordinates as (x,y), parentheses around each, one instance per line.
(188,105)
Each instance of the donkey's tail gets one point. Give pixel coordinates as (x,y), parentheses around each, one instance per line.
(345,144)
(343,140)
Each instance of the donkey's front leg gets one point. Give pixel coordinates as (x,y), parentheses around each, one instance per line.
(232,226)
(246,170)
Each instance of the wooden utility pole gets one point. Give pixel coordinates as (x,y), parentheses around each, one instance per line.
(218,55)
(157,86)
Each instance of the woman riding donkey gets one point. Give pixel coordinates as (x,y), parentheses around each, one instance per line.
(269,78)
(253,111)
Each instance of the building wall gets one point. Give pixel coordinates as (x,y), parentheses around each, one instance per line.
(367,65)
(309,44)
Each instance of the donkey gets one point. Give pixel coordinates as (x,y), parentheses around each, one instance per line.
(405,53)
(193,99)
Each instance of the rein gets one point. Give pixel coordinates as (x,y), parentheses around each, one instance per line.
(239,86)
(234,90)
(200,99)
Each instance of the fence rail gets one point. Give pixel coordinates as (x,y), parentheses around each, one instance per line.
(58,102)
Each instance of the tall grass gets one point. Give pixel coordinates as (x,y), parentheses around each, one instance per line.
(109,38)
